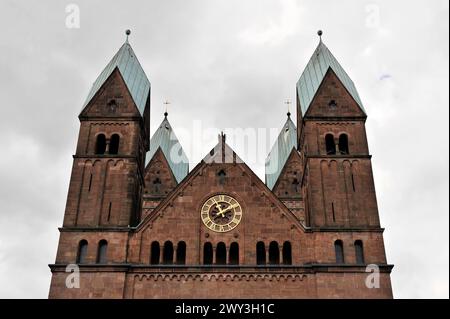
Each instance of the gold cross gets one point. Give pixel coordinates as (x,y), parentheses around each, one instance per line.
(166,103)
(288,103)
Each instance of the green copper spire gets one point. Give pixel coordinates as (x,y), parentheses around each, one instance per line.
(280,152)
(166,140)
(321,61)
(134,76)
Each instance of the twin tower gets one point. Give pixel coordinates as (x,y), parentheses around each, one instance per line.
(139,224)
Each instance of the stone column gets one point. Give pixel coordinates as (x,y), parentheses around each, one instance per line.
(175,247)
(161,254)
(281,255)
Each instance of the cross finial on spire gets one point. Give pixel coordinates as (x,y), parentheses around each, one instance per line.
(320,33)
(288,102)
(166,103)
(127,32)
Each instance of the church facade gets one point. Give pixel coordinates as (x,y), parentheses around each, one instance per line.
(139,224)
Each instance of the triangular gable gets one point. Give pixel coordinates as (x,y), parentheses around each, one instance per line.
(332,90)
(286,177)
(112,99)
(159,178)
(256,182)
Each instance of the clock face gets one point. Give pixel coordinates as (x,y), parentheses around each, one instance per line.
(221,213)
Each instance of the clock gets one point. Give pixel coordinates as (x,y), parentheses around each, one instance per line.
(221,213)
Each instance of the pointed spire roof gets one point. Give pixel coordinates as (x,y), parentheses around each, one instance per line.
(319,64)
(286,141)
(134,76)
(166,140)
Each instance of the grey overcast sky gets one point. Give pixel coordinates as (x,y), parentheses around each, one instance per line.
(228,64)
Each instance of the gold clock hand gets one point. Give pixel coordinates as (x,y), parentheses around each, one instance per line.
(228,208)
(219,208)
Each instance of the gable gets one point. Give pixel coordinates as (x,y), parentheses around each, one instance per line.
(288,184)
(159,180)
(112,100)
(333,100)
(184,203)
(178,217)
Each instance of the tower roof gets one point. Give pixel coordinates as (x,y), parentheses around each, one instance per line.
(319,64)
(134,76)
(166,140)
(280,152)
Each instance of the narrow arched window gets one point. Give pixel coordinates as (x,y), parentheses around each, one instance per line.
(234,254)
(114,144)
(330,145)
(359,252)
(100,144)
(155,251)
(157,185)
(332,104)
(207,254)
(221,254)
(287,253)
(222,175)
(168,253)
(343,144)
(274,253)
(260,253)
(339,250)
(181,253)
(101,252)
(82,252)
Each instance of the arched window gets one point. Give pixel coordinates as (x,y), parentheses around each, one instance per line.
(155,251)
(343,144)
(222,175)
(114,144)
(234,254)
(82,252)
(168,253)
(100,144)
(359,252)
(332,104)
(181,253)
(157,185)
(207,254)
(330,145)
(260,253)
(274,253)
(101,253)
(221,254)
(339,250)
(112,106)
(287,253)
